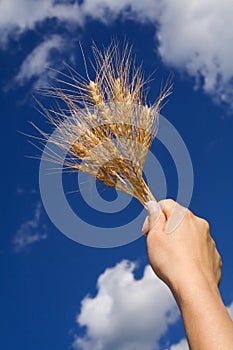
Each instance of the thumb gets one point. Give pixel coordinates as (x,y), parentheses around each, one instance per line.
(155,217)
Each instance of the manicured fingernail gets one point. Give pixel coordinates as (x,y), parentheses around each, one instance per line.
(152,207)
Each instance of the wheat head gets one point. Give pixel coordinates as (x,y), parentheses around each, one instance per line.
(107,127)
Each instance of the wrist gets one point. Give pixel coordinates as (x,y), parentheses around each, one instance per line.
(192,286)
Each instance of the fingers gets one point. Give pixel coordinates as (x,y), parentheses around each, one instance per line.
(155,217)
(154,212)
(166,211)
(167,206)
(174,213)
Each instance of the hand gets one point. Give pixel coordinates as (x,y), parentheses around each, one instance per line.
(187,260)
(185,256)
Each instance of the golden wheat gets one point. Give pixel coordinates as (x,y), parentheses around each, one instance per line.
(107,126)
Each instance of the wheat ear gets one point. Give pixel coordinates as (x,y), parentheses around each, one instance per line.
(107,127)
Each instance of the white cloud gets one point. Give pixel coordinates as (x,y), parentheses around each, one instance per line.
(126,313)
(37,63)
(14,20)
(107,10)
(26,14)
(196,37)
(182,345)
(193,36)
(30,232)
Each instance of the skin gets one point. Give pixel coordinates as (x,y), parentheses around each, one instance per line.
(188,262)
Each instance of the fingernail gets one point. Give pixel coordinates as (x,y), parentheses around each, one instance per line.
(152,207)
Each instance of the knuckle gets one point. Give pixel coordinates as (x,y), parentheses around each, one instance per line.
(168,203)
(189,214)
(220,262)
(205,223)
(219,258)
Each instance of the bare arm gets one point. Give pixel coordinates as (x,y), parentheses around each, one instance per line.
(188,262)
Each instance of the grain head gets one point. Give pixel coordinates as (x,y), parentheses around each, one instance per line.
(107,127)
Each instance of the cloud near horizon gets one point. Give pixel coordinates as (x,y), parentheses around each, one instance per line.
(126,313)
(193,37)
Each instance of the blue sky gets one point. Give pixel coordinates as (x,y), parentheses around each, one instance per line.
(50,297)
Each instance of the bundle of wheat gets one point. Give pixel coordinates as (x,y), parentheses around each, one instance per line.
(107,126)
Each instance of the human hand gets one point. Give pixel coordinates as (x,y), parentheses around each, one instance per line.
(188,255)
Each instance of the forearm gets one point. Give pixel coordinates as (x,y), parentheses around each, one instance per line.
(206,320)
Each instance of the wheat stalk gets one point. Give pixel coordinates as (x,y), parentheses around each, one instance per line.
(107,127)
